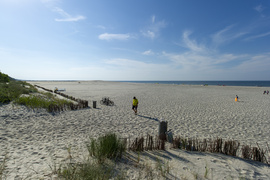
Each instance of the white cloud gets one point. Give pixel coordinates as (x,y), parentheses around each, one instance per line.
(198,66)
(256,63)
(126,62)
(100,27)
(219,36)
(199,62)
(224,35)
(259,8)
(107,36)
(199,58)
(153,30)
(67,17)
(48,1)
(257,36)
(121,69)
(76,18)
(192,44)
(153,19)
(149,34)
(148,52)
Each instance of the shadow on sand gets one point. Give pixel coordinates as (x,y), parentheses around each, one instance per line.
(147,117)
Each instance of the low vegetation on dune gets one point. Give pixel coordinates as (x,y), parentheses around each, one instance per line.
(108,146)
(42,100)
(11,89)
(23,93)
(104,153)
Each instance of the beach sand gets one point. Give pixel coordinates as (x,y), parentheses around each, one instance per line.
(35,140)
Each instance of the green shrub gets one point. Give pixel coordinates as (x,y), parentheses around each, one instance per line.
(108,146)
(4,77)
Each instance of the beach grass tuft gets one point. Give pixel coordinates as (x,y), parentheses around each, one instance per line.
(107,146)
(163,168)
(88,170)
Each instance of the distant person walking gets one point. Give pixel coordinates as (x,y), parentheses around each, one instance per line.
(135,105)
(236,98)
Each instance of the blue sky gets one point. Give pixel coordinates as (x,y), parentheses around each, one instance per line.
(135,39)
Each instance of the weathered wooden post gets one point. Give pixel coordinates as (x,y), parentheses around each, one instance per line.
(94,104)
(162,130)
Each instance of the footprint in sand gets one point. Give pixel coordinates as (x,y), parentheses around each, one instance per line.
(185,168)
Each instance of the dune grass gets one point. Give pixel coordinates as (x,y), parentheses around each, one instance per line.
(23,93)
(104,150)
(12,90)
(44,100)
(86,171)
(26,94)
(107,146)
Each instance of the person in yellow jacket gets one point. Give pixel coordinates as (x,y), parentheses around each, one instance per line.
(135,105)
(236,98)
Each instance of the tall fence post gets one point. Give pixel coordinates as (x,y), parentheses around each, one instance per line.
(162,130)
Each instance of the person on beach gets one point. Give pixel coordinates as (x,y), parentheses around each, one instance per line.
(135,104)
(236,98)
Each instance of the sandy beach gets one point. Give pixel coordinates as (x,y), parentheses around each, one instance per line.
(35,140)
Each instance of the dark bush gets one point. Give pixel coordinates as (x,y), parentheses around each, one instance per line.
(4,78)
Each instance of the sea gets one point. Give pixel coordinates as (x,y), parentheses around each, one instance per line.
(211,83)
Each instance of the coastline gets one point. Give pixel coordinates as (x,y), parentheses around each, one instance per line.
(258,83)
(34,138)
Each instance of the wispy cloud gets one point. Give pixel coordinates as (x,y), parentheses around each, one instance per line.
(200,58)
(122,68)
(153,29)
(192,44)
(259,8)
(199,62)
(153,19)
(149,34)
(221,66)
(100,27)
(226,35)
(108,37)
(67,17)
(126,62)
(218,37)
(257,36)
(49,1)
(148,52)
